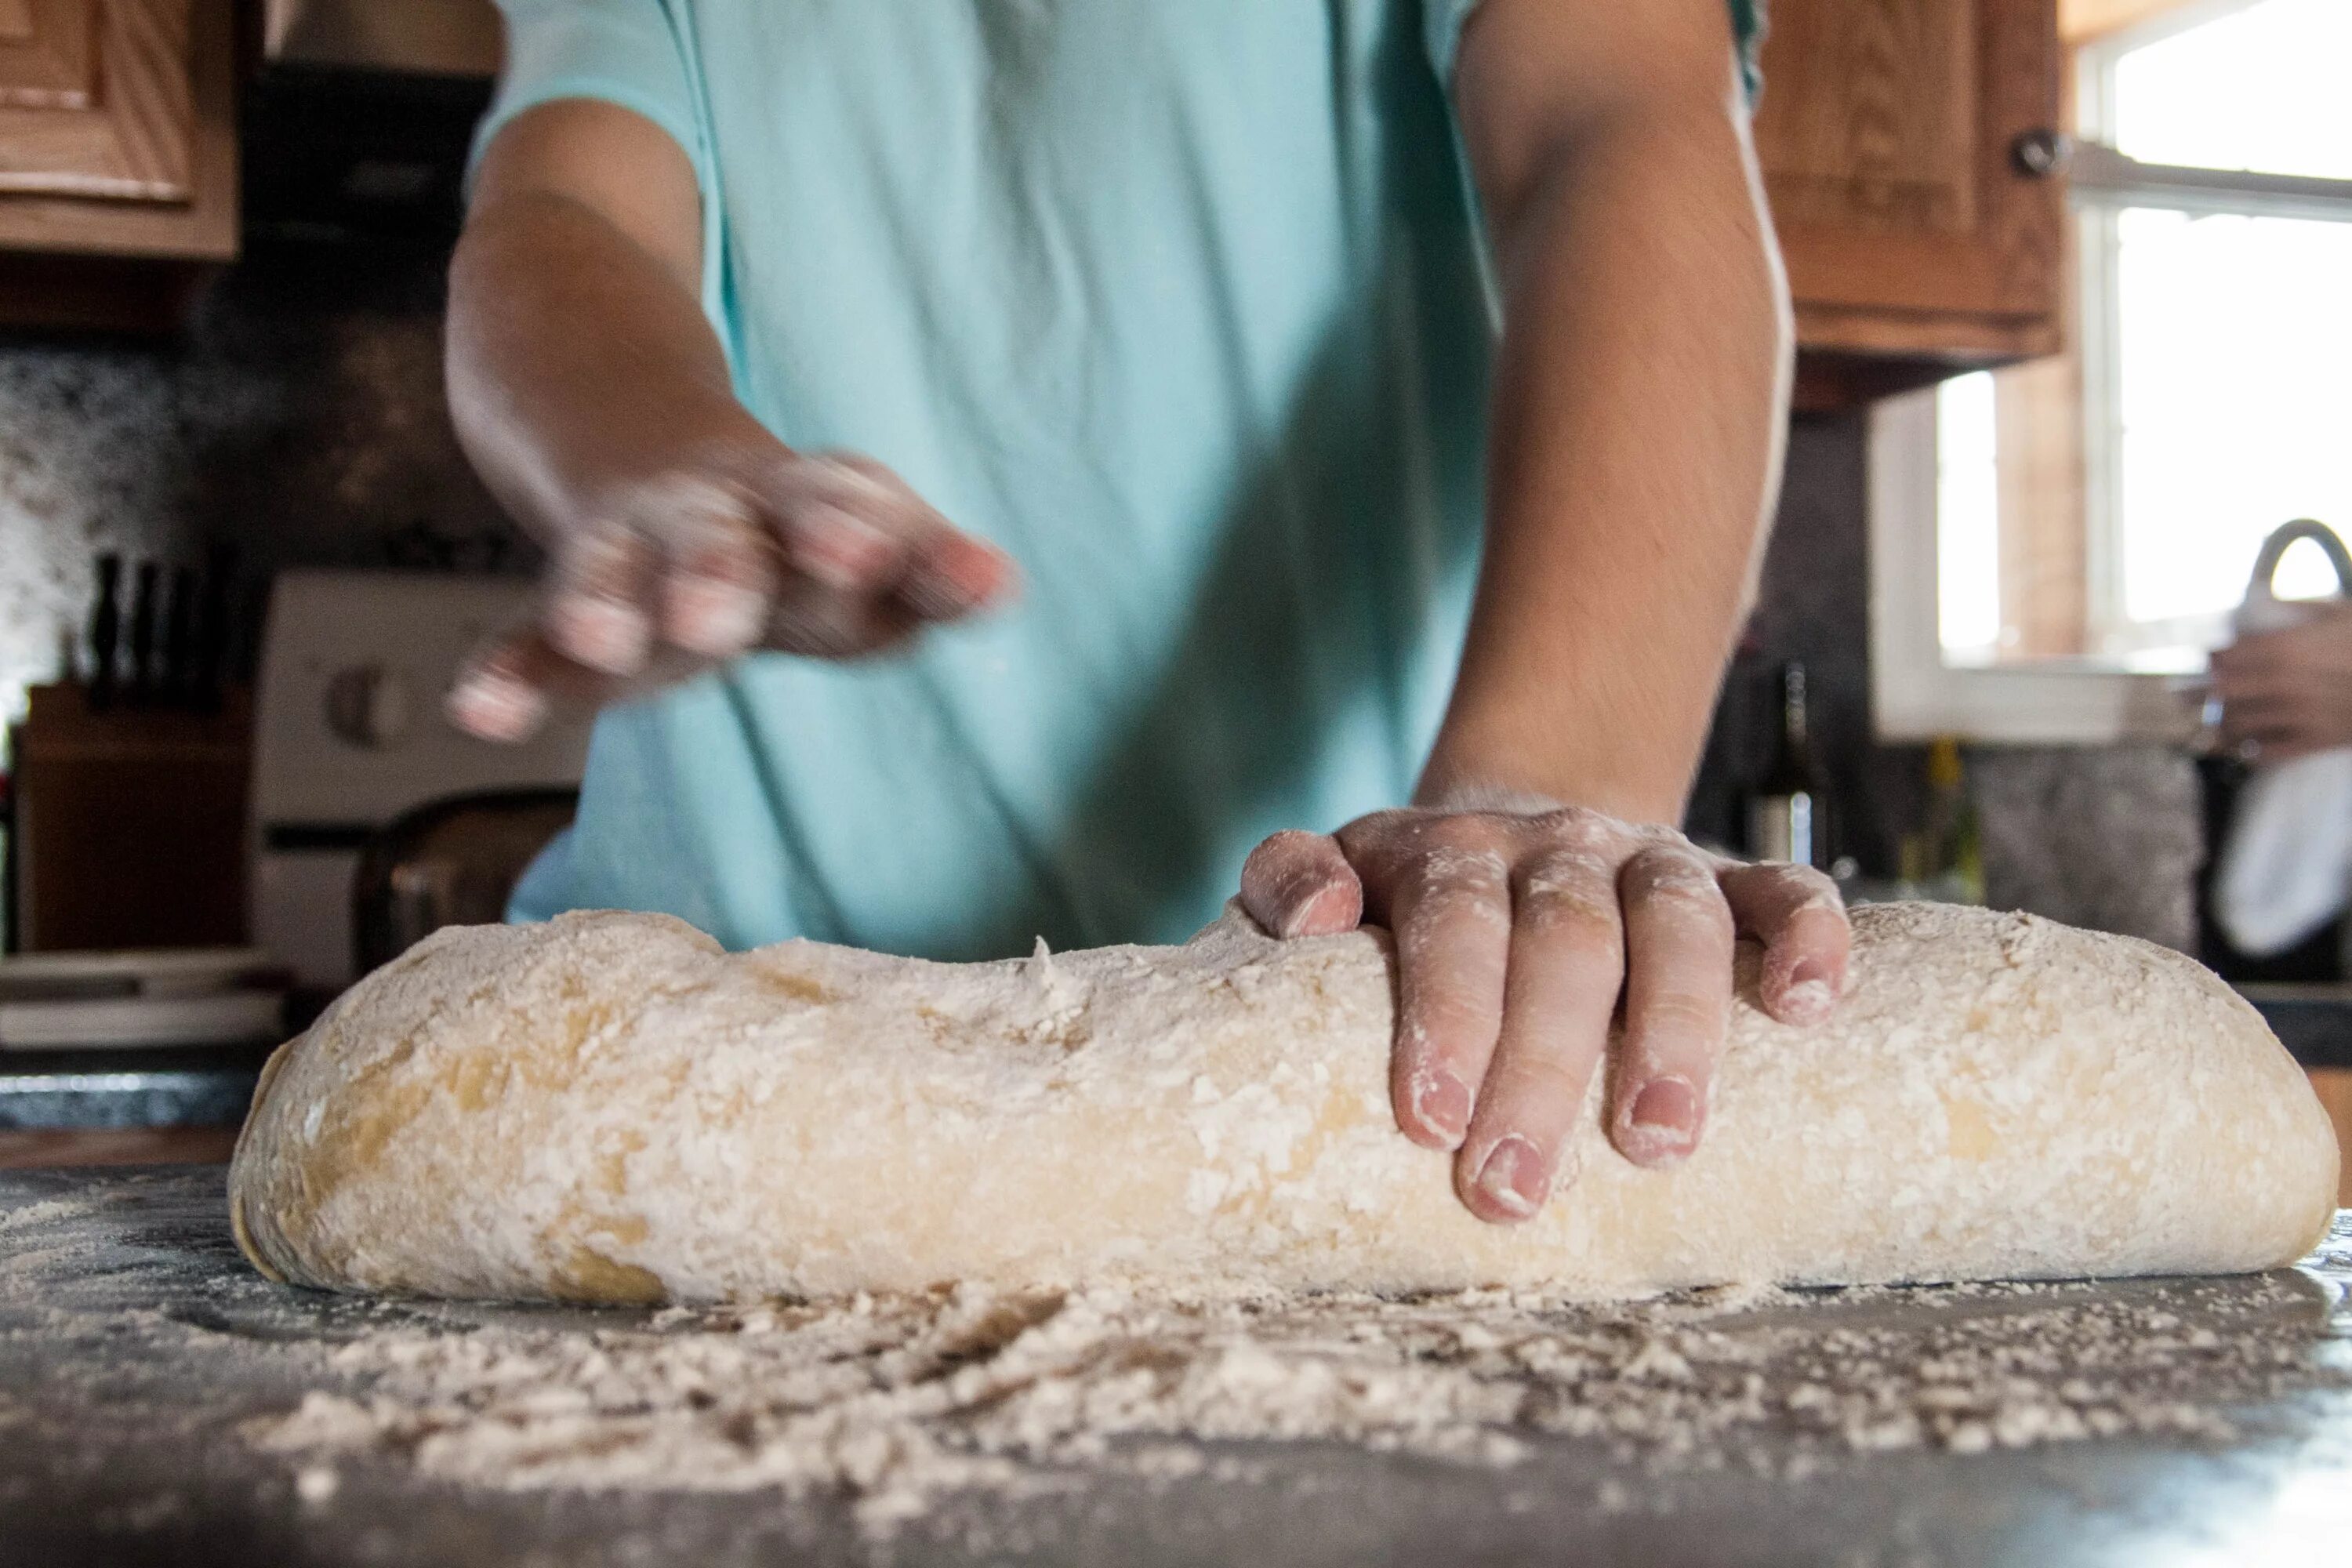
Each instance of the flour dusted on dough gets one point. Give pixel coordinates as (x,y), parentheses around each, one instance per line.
(608,1108)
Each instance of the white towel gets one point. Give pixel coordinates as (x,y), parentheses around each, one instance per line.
(2286,861)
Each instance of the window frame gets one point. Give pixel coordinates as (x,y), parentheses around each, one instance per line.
(2094,700)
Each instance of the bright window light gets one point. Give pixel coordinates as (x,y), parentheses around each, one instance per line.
(2235,383)
(2259,89)
(1968,509)
(2219,386)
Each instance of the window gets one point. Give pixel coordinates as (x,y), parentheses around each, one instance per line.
(2098,515)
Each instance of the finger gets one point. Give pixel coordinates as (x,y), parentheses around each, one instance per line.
(1299,884)
(840,523)
(507,687)
(596,612)
(810,618)
(1678,956)
(2271,718)
(1567,964)
(1451,913)
(1796,913)
(950,575)
(2273,733)
(2272,752)
(2247,655)
(944,573)
(2249,683)
(719,576)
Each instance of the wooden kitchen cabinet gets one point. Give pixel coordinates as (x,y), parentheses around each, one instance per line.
(118,156)
(1911,154)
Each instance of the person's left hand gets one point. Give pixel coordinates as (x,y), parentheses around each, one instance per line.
(2286,694)
(1516,930)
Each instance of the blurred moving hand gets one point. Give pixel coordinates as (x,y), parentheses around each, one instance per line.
(595,401)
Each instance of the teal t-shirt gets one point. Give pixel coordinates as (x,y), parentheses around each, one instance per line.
(1178,303)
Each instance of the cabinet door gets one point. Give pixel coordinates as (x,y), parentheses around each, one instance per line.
(118,131)
(122,126)
(1904,148)
(48,53)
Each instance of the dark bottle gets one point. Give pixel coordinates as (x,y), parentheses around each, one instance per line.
(1787,810)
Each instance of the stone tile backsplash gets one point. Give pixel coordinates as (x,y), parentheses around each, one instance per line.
(2105,836)
(301,417)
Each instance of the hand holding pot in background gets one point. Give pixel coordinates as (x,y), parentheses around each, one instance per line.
(2288,693)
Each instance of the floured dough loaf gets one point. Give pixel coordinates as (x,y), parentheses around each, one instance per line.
(608,1108)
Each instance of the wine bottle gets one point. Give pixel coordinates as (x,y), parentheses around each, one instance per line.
(1787,810)
(1952,853)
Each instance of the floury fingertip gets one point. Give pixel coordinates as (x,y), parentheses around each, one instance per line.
(602,633)
(715,617)
(495,707)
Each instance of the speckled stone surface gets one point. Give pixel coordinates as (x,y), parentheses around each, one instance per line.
(301,417)
(2104,836)
(137,1351)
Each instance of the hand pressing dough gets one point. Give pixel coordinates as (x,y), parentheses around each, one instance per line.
(608,1108)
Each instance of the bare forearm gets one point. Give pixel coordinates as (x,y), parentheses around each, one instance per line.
(574,354)
(1639,404)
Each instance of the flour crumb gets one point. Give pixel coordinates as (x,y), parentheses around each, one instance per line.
(896,1402)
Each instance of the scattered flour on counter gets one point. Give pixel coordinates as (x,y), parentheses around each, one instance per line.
(895,1402)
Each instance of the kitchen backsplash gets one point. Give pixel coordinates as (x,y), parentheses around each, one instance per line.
(2110,838)
(303,418)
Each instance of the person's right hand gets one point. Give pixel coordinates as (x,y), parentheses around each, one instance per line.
(593,396)
(2288,693)
(831,557)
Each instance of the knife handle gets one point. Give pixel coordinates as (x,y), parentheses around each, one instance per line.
(213,629)
(179,633)
(141,642)
(105,629)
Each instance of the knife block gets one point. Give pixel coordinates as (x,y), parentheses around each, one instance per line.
(129,824)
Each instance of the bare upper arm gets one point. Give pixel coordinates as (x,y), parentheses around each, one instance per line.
(612,161)
(1532,77)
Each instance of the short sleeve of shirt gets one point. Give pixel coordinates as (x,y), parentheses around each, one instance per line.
(1443,21)
(627,52)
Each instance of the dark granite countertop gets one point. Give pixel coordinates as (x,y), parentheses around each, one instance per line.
(2315,1021)
(193,1085)
(135,1346)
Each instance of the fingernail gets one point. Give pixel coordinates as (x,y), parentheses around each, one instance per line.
(1441,1103)
(1809,996)
(602,634)
(496,707)
(714,617)
(1324,911)
(1662,1122)
(1513,1177)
